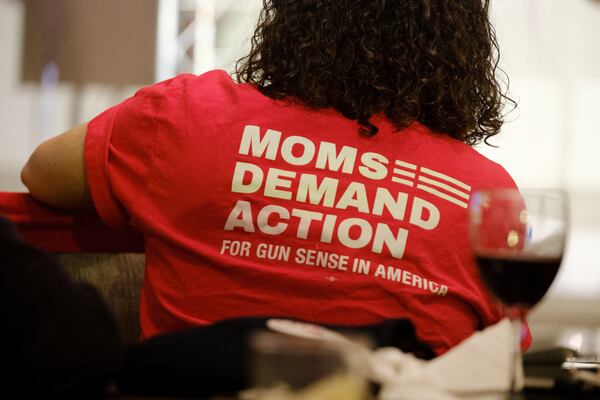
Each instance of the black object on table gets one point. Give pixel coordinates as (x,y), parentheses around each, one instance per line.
(547,377)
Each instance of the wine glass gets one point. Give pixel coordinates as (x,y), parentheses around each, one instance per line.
(518,238)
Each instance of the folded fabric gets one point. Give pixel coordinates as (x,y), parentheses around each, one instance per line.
(65,231)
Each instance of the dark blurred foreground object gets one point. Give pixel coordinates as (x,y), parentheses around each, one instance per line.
(111,261)
(216,359)
(59,340)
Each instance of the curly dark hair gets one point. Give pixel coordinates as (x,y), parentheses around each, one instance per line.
(432,61)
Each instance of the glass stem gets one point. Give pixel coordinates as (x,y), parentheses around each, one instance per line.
(516,383)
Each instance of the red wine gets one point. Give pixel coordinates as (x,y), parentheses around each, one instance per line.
(518,281)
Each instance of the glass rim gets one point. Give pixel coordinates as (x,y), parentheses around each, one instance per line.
(524,190)
(506,193)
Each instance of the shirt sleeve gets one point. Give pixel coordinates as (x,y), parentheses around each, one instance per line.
(119,149)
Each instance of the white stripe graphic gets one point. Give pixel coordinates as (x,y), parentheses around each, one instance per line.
(405,164)
(403,181)
(445,187)
(404,173)
(442,195)
(446,178)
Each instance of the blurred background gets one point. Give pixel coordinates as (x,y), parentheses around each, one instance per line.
(64,61)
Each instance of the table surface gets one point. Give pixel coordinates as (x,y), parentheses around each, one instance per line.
(529,395)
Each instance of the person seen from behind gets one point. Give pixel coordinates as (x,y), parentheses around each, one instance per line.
(328,182)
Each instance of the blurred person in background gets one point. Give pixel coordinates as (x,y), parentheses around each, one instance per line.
(328,183)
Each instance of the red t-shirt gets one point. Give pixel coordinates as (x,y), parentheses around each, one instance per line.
(256,207)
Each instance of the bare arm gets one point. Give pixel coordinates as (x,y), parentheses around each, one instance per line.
(55,172)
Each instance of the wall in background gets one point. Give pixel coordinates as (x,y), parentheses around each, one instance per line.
(109,42)
(30,113)
(553,138)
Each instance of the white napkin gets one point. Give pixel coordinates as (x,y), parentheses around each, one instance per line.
(478,368)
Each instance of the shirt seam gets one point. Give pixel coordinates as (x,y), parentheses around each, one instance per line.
(117,208)
(155,150)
